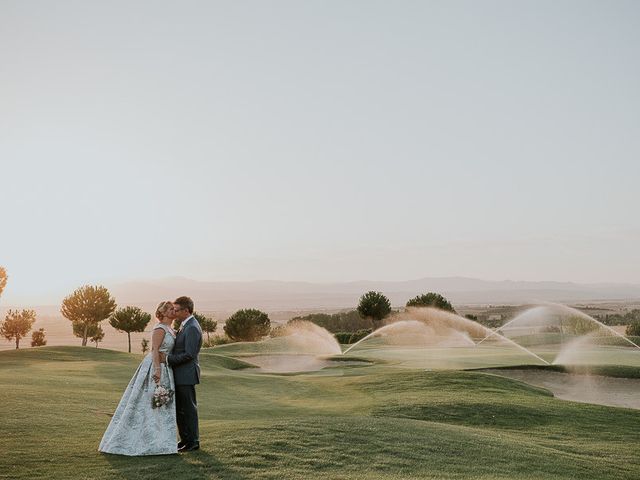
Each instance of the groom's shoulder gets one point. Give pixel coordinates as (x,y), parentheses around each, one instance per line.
(194,324)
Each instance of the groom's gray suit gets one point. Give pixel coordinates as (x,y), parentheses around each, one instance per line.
(186,373)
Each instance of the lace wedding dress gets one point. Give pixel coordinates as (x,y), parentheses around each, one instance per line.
(136,427)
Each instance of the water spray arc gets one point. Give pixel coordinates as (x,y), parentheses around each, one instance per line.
(445,320)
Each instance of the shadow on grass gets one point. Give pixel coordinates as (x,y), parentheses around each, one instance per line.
(192,465)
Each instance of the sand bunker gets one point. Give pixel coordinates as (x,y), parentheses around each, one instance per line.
(610,391)
(295,363)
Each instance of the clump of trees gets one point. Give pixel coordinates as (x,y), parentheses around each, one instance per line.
(633,319)
(350,321)
(346,338)
(577,325)
(79,330)
(38,338)
(17,324)
(633,329)
(86,307)
(375,306)
(208,325)
(247,325)
(129,319)
(431,299)
(619,318)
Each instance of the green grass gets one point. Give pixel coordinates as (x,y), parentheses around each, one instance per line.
(380,421)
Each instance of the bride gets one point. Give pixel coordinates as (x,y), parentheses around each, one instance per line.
(137,428)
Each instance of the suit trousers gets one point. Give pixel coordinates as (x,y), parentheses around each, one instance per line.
(187,413)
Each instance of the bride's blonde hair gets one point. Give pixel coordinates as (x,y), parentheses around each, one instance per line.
(162,309)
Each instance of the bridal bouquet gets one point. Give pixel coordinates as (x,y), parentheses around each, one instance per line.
(161,396)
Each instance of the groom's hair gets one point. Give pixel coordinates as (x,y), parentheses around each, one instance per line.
(185,302)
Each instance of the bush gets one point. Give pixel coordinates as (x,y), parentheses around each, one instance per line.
(221,340)
(247,325)
(343,337)
(431,299)
(633,329)
(359,335)
(37,338)
(346,338)
(350,321)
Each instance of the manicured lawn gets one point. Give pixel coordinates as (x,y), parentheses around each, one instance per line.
(380,421)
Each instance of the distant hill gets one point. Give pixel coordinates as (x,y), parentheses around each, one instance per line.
(278,295)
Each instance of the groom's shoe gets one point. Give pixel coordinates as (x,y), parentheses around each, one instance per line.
(181,444)
(190,447)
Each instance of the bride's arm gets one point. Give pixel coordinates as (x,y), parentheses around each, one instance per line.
(156,341)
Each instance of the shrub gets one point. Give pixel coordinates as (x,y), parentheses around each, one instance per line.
(343,337)
(352,337)
(38,338)
(218,340)
(350,321)
(359,335)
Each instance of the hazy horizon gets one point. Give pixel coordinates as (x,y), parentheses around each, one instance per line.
(318,141)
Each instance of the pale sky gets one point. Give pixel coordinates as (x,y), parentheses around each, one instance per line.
(318,141)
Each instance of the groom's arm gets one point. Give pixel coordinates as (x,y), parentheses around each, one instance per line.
(192,342)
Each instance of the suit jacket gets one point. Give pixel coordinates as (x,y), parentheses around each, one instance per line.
(184,357)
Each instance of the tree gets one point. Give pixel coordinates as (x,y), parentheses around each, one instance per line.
(633,329)
(247,325)
(208,325)
(374,305)
(86,307)
(202,320)
(3,279)
(37,338)
(79,330)
(97,336)
(578,325)
(145,345)
(17,324)
(431,299)
(129,319)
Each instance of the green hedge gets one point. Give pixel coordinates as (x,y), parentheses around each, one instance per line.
(347,338)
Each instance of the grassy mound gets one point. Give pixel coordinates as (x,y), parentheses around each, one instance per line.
(376,422)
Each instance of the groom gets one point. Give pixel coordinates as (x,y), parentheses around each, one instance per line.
(186,372)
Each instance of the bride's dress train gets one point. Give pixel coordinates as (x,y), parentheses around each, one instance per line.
(136,427)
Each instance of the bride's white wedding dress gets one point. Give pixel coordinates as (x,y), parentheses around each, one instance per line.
(136,427)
